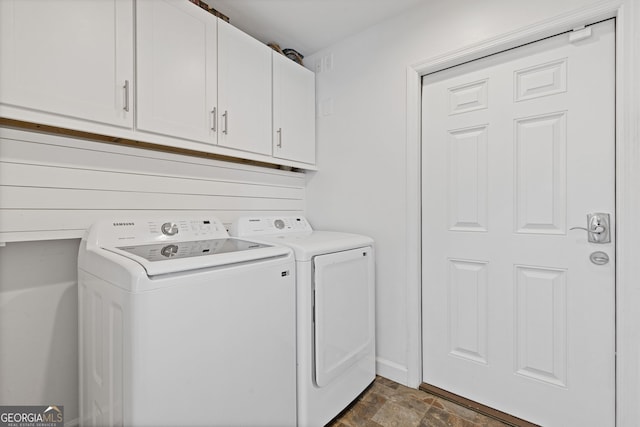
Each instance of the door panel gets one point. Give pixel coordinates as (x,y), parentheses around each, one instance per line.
(294,106)
(244,91)
(68,58)
(344,305)
(176,69)
(517,149)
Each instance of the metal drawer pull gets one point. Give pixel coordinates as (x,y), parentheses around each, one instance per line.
(214,119)
(225,130)
(279,132)
(126,95)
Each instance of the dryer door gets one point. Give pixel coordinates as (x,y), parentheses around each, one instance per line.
(344,311)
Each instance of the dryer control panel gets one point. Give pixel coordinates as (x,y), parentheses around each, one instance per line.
(266,225)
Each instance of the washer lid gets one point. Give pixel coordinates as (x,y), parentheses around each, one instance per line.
(178,256)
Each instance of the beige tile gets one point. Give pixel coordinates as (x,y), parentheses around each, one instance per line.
(361,412)
(373,397)
(387,382)
(394,415)
(436,417)
(389,404)
(412,403)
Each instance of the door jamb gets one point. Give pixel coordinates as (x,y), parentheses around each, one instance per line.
(627,14)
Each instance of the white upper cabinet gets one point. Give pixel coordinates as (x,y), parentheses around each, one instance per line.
(244,91)
(68,58)
(164,72)
(176,69)
(293,111)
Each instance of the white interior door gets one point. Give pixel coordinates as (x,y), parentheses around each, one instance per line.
(517,149)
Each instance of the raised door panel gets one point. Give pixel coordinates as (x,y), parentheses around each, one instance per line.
(68,58)
(293,111)
(541,324)
(176,70)
(468,309)
(244,91)
(468,178)
(541,174)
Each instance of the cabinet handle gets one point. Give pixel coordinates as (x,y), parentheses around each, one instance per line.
(214,120)
(279,132)
(126,95)
(225,130)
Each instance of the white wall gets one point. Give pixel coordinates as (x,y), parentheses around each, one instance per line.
(54,186)
(39,324)
(361,130)
(51,189)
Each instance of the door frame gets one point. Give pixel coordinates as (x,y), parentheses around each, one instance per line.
(627,14)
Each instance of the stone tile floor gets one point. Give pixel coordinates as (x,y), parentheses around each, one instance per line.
(389,404)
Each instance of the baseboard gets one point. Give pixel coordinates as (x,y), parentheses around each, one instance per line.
(391,370)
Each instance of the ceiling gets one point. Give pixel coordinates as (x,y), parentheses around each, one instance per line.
(308,25)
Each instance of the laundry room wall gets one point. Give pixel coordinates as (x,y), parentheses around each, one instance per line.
(361,135)
(38,324)
(52,188)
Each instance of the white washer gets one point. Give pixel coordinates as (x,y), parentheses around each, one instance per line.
(336,303)
(182,325)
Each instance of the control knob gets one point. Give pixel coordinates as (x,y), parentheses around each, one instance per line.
(169,228)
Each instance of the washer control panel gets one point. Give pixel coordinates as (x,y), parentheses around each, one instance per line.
(265,225)
(161,229)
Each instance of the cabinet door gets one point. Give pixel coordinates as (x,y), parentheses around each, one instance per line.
(244,91)
(69,58)
(176,69)
(293,111)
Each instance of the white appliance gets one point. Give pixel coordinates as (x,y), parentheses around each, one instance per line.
(336,303)
(181,325)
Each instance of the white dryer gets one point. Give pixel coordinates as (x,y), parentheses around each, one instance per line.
(336,303)
(181,325)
